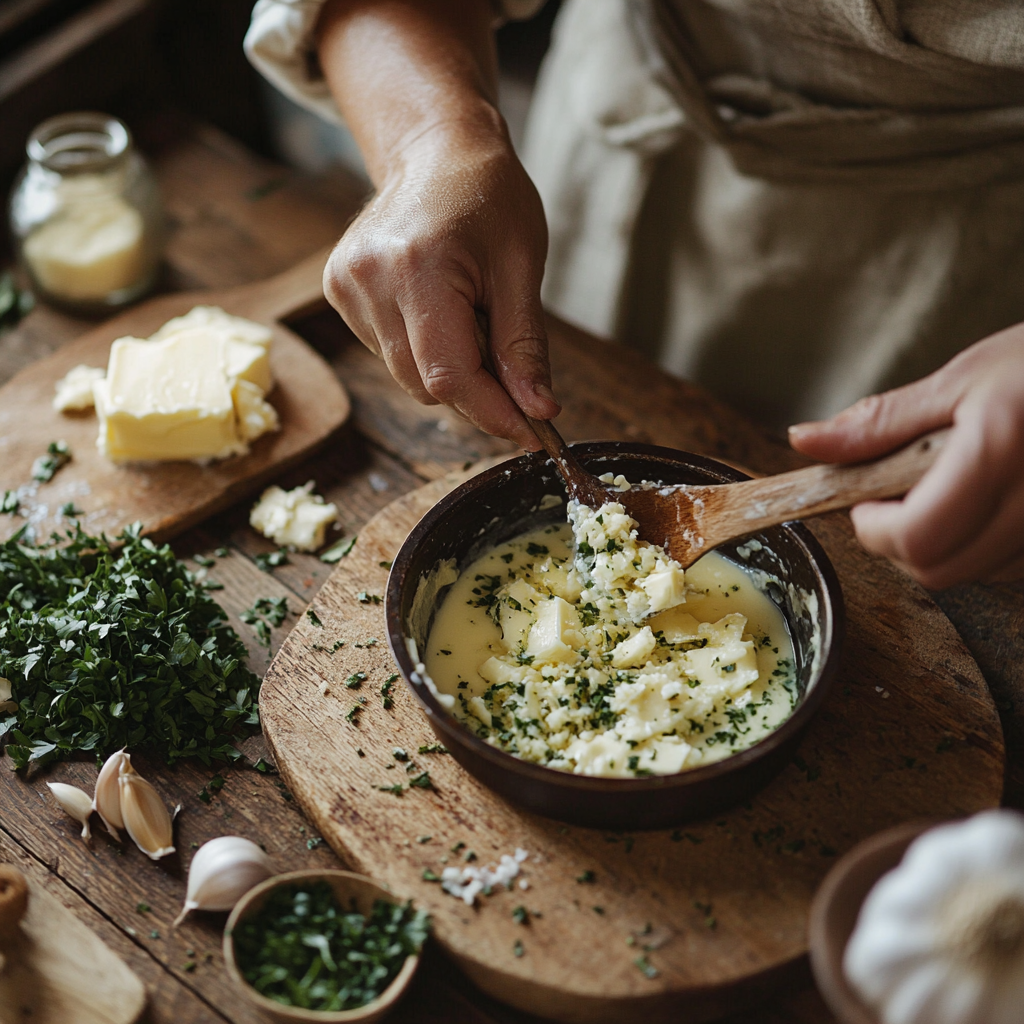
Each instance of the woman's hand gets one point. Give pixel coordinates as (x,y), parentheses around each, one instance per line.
(456,227)
(964,520)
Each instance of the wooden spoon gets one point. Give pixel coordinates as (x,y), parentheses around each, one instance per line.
(689,520)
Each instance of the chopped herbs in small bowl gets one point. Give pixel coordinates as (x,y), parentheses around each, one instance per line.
(323,946)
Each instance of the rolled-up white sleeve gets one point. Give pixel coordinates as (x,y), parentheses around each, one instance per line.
(280,44)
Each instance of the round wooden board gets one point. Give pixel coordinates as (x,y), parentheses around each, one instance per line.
(717,908)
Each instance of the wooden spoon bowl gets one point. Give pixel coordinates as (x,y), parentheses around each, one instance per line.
(834,914)
(350,890)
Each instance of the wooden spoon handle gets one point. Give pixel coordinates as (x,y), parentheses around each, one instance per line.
(299,289)
(13,901)
(732,510)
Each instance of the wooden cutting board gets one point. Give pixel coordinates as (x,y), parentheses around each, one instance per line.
(717,908)
(59,972)
(167,497)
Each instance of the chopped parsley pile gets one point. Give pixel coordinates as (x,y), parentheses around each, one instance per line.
(301,948)
(109,646)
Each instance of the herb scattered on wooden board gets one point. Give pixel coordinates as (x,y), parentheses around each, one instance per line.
(302,949)
(338,550)
(271,559)
(57,454)
(265,613)
(109,647)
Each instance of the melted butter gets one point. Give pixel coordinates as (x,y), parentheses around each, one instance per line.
(509,629)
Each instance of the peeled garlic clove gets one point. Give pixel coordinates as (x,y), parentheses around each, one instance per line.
(75,802)
(106,801)
(144,814)
(222,872)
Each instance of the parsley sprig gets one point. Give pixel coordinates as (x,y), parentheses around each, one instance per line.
(108,647)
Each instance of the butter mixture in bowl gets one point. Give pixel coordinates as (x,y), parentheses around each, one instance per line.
(581,673)
(579,647)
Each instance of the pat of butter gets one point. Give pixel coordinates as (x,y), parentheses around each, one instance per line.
(169,399)
(74,389)
(665,589)
(255,416)
(635,650)
(555,632)
(235,327)
(91,250)
(243,360)
(298,517)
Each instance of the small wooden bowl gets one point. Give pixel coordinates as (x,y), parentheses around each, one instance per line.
(348,889)
(834,913)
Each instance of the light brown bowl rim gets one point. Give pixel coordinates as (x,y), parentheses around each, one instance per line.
(826,954)
(371,1010)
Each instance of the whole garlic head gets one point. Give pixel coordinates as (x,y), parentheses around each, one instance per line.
(222,872)
(940,938)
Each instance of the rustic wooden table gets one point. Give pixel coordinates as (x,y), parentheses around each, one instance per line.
(236,218)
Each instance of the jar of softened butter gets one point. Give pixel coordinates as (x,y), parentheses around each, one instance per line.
(85,214)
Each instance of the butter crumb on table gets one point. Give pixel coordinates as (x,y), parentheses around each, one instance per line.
(297,518)
(74,389)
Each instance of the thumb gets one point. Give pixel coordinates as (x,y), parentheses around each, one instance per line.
(879,423)
(519,347)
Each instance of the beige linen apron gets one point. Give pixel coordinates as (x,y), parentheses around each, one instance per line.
(793,202)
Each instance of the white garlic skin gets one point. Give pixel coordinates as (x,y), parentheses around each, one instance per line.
(106,801)
(145,815)
(222,872)
(75,802)
(940,938)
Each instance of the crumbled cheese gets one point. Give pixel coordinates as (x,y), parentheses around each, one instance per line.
(601,668)
(468,882)
(74,389)
(298,517)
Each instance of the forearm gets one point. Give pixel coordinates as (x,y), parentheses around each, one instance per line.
(404,70)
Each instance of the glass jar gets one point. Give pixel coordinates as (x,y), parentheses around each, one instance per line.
(85,214)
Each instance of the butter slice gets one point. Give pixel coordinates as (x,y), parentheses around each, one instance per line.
(169,399)
(74,389)
(297,517)
(243,360)
(254,415)
(235,327)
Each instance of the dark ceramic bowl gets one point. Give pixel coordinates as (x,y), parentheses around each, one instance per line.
(506,501)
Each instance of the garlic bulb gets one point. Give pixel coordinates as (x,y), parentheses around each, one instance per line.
(222,872)
(106,801)
(144,813)
(75,802)
(940,938)
(6,704)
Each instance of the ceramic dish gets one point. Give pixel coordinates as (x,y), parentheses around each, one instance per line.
(834,915)
(508,500)
(349,889)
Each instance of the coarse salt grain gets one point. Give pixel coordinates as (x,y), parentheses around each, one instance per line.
(466,883)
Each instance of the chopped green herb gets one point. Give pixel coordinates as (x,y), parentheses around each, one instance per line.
(302,948)
(517,948)
(365,598)
(265,613)
(313,617)
(421,781)
(154,934)
(68,510)
(423,839)
(429,876)
(521,915)
(598,910)
(10,502)
(385,565)
(262,766)
(647,969)
(355,680)
(110,647)
(397,789)
(433,748)
(312,844)
(222,552)
(204,560)
(271,559)
(385,691)
(57,454)
(352,714)
(587,877)
(338,550)
(142,908)
(399,754)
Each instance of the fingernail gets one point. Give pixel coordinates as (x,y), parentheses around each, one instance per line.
(543,391)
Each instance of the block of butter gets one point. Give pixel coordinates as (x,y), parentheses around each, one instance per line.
(192,391)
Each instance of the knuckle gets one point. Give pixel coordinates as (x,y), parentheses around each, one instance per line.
(443,382)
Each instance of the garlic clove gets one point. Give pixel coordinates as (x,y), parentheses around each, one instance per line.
(145,816)
(75,802)
(222,872)
(106,801)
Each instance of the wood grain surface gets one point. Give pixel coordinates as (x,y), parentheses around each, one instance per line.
(167,496)
(909,731)
(57,971)
(235,218)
